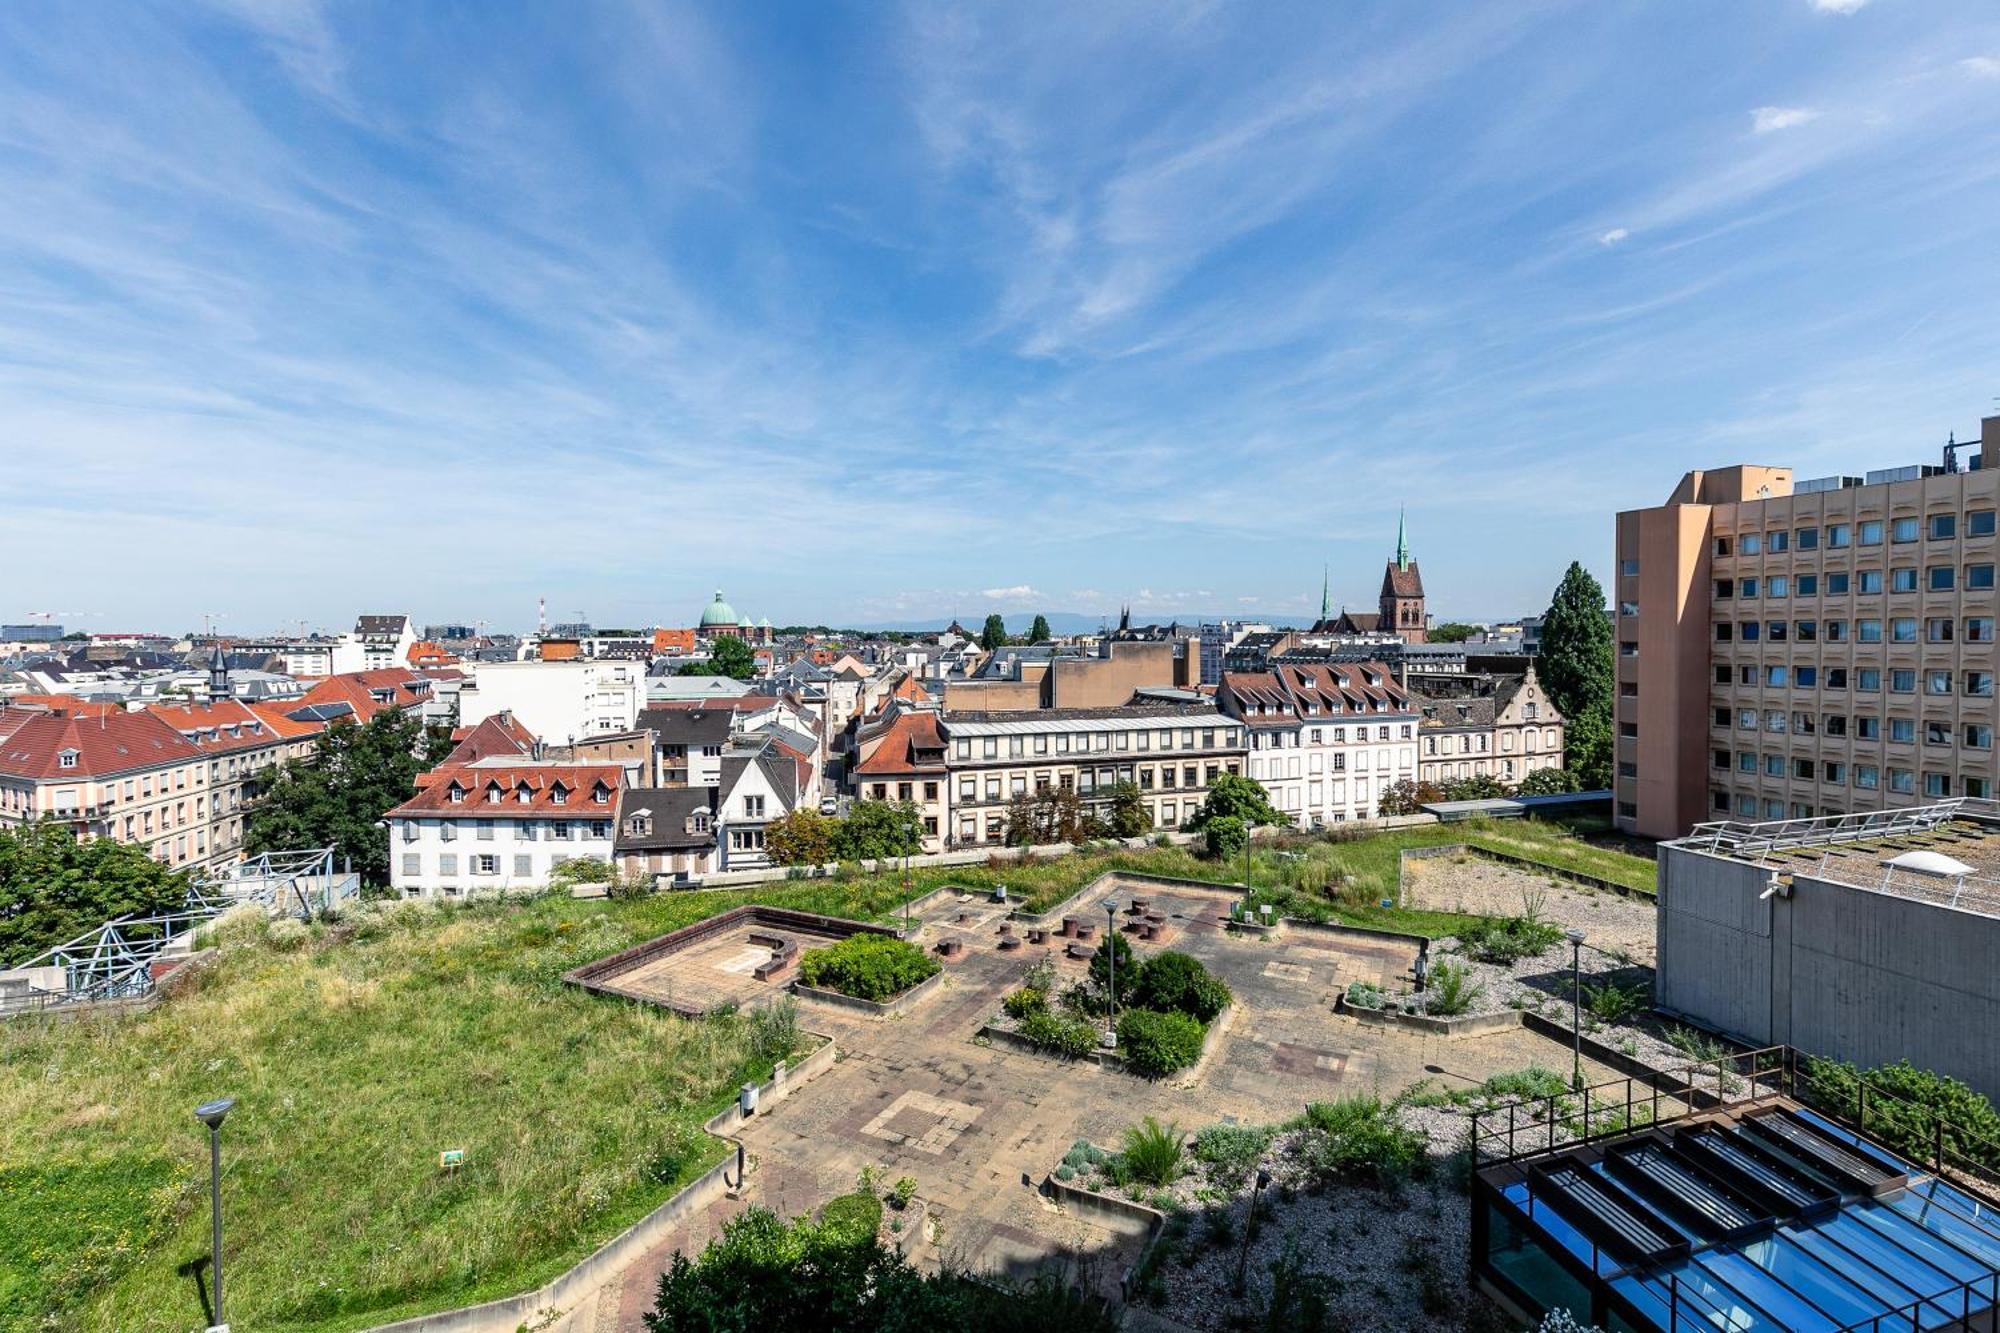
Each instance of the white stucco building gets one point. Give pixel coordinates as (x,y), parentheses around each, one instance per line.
(560,702)
(1325,741)
(500,824)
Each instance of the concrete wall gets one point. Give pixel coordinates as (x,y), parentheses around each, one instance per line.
(1833,969)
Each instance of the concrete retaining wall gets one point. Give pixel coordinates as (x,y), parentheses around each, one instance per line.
(872,1008)
(1462,1025)
(593,976)
(782,1084)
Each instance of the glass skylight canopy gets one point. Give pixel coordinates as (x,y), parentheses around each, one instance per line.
(1776,1219)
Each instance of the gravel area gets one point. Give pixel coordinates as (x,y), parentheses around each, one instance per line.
(1467,883)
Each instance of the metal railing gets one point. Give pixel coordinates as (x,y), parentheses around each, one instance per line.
(1754,840)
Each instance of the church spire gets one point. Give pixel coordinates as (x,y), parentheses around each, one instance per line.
(1325,586)
(1402,542)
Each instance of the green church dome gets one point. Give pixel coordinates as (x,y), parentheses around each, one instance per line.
(719,612)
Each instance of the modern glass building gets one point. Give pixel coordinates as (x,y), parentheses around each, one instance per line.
(1757,1218)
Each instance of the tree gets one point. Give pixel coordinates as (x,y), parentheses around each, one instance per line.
(727,656)
(336,796)
(1130,816)
(1548,782)
(1452,631)
(1576,669)
(53,887)
(1478,787)
(1116,949)
(995,633)
(1233,796)
(874,830)
(805,837)
(1225,836)
(1407,797)
(1053,814)
(1039,631)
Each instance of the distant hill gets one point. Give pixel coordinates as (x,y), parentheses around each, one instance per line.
(1064,622)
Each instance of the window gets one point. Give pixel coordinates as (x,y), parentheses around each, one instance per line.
(1629,568)
(1722,546)
(1978,736)
(1774,542)
(1944,527)
(1778,586)
(1868,776)
(1753,543)
(1746,762)
(1868,580)
(1778,631)
(1805,677)
(1868,728)
(1903,629)
(1836,678)
(1721,674)
(1628,648)
(1774,675)
(1903,680)
(1979,684)
(483,829)
(1833,771)
(1904,530)
(66,759)
(447,863)
(1871,532)
(1725,588)
(1902,780)
(1937,784)
(1902,731)
(1807,539)
(1836,585)
(1808,585)
(1807,631)
(1837,535)
(1902,580)
(1836,631)
(1724,631)
(1720,759)
(524,865)
(413,865)
(485,864)
(1749,587)
(1979,523)
(1750,630)
(1937,682)
(1979,576)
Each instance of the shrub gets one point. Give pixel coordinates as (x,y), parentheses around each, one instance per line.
(1178,983)
(1613,1003)
(851,1219)
(867,966)
(1358,1140)
(1115,946)
(1908,1116)
(1059,1034)
(1157,1044)
(906,1190)
(1451,990)
(774,1029)
(1027,1000)
(1522,1084)
(1152,1152)
(1365,995)
(1231,1153)
(1505,941)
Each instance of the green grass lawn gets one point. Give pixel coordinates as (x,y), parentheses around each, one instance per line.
(358,1052)
(355,1058)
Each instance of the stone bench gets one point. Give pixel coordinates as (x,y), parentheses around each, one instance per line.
(1069,927)
(784,953)
(1037,935)
(950,948)
(1081,952)
(1086,933)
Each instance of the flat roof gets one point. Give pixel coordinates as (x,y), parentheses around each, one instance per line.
(1856,850)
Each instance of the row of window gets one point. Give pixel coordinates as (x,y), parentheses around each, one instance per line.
(1082,742)
(1865,777)
(485,863)
(1901,730)
(1282,740)
(1867,532)
(1868,680)
(1088,781)
(522,830)
(1838,583)
(1868,629)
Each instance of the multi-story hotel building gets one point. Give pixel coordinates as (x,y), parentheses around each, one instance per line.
(1789,650)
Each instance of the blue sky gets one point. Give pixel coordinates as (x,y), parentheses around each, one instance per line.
(878,312)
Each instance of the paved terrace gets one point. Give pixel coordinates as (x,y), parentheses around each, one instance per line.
(979,1126)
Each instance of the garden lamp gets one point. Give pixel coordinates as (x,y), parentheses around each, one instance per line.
(211,1114)
(1111,959)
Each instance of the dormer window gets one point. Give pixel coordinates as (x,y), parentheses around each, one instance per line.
(559,794)
(456,794)
(493,793)
(67,759)
(524,793)
(600,794)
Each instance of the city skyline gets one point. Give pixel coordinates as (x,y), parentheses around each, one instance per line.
(834,307)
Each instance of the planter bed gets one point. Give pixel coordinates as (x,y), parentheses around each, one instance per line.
(1459,1025)
(895,1004)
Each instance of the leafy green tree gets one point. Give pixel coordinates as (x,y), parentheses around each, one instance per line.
(1054,814)
(1576,668)
(995,633)
(727,656)
(53,887)
(1225,836)
(1548,782)
(1039,631)
(1129,816)
(1452,631)
(336,796)
(1478,787)
(877,829)
(1115,949)
(1234,796)
(1407,797)
(805,837)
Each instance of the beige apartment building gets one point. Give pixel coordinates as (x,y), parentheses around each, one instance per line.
(1793,650)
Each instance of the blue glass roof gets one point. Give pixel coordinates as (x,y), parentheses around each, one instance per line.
(1779,1220)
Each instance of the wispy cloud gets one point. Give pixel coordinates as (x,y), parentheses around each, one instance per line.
(1838,6)
(1768,119)
(1613,237)
(1983,67)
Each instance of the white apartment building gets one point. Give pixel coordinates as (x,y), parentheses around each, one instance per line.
(1325,740)
(375,644)
(562,702)
(500,824)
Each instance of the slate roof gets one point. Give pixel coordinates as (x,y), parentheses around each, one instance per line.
(670,809)
(692,727)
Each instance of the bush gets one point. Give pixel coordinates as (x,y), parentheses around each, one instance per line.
(1365,995)
(852,1219)
(1908,1116)
(1451,991)
(1027,1000)
(1231,1153)
(1613,1003)
(1225,837)
(1522,1084)
(774,1029)
(1157,1044)
(1357,1140)
(1177,983)
(905,1190)
(867,966)
(1058,1034)
(1505,941)
(1115,947)
(1152,1152)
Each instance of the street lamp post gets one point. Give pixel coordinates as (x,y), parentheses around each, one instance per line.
(211,1114)
(1111,959)
(1575,938)
(1243,1255)
(909,836)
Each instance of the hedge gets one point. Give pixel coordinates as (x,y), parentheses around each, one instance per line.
(1156,1044)
(867,967)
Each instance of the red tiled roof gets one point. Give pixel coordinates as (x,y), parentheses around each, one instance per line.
(69,703)
(357,689)
(539,781)
(499,734)
(106,744)
(897,753)
(290,728)
(223,726)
